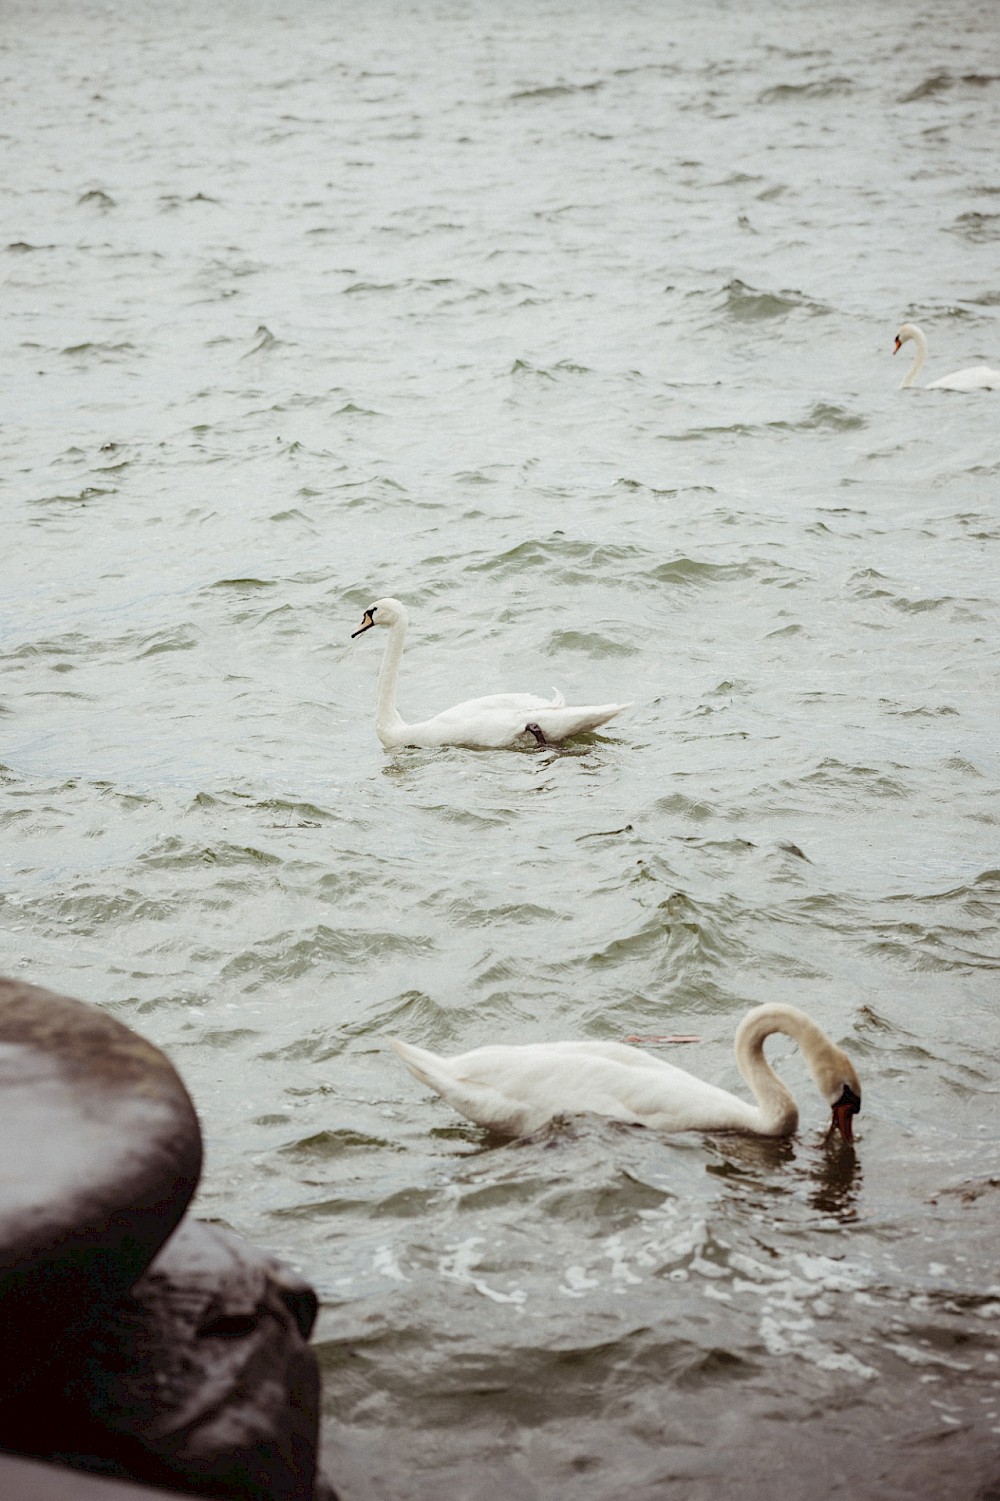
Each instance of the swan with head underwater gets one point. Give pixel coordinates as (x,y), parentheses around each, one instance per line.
(975,378)
(515,1090)
(500,719)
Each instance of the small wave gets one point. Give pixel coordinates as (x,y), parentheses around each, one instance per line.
(98,199)
(941,82)
(935,950)
(225,1037)
(265,340)
(174,853)
(681,939)
(625,482)
(325,1145)
(294,813)
(286,955)
(100,351)
(175,638)
(357,287)
(746,304)
(689,573)
(785,630)
(79,498)
(852,779)
(832,418)
(921,606)
(592,644)
(693,573)
(820,88)
(921,711)
(692,809)
(868,584)
(170,202)
(589,558)
(976,227)
(558,90)
(242,584)
(525,367)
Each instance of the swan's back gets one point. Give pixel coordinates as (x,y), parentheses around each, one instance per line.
(976,378)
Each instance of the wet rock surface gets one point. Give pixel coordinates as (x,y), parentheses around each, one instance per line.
(100,1153)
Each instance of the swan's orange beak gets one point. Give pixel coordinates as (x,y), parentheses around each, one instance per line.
(367,621)
(843,1112)
(897,346)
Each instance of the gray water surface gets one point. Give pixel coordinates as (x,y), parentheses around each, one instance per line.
(571,327)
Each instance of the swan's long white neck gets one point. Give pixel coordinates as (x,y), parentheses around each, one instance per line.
(389,724)
(776,1108)
(918,359)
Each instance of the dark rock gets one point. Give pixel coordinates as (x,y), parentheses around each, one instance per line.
(201,1379)
(100,1153)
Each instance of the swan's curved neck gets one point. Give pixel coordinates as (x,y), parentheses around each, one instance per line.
(918,359)
(778,1110)
(389,724)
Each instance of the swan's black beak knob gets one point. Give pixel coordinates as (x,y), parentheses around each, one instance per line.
(367,621)
(845,1109)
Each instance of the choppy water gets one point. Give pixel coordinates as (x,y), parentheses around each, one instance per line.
(571,326)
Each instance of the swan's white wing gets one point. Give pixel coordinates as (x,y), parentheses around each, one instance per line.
(573,719)
(500,703)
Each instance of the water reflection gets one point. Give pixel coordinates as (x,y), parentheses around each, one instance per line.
(759,1165)
(837,1178)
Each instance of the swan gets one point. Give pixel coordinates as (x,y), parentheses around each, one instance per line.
(515,1090)
(975,378)
(481,723)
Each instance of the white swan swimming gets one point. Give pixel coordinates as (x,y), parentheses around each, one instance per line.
(975,378)
(515,1090)
(480,723)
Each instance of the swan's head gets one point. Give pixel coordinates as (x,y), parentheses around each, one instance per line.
(906,332)
(836,1076)
(382,612)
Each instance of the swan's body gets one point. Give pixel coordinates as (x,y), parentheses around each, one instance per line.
(500,719)
(515,1090)
(975,378)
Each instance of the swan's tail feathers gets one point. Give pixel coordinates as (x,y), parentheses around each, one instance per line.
(474,1099)
(422,1065)
(558,699)
(559,723)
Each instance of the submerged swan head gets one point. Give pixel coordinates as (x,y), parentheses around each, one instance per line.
(838,1082)
(382,612)
(834,1073)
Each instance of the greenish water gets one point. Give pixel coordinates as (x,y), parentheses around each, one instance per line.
(572,329)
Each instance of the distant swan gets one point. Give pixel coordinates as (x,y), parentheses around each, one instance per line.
(975,378)
(515,1090)
(480,723)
